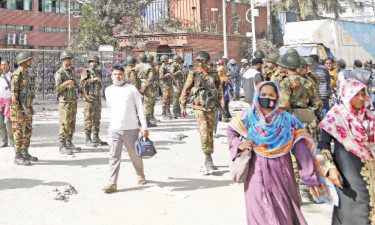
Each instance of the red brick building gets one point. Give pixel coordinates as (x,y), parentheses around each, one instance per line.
(37,24)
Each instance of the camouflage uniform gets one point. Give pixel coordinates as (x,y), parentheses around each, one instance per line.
(204,116)
(21,124)
(67,97)
(166,81)
(177,84)
(145,75)
(131,77)
(92,100)
(154,90)
(267,72)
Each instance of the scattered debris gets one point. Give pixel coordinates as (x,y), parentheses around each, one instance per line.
(178,137)
(64,193)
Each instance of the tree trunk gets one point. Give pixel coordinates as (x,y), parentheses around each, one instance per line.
(315,9)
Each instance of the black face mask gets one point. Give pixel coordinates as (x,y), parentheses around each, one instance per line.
(267,103)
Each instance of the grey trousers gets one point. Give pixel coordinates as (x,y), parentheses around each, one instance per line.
(6,133)
(116,139)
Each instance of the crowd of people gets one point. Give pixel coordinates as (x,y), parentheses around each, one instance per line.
(296,106)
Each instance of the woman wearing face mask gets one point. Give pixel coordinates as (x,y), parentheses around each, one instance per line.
(270,133)
(350,164)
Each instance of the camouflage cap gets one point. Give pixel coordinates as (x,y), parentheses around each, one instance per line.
(259,54)
(273,57)
(66,54)
(131,60)
(203,55)
(94,58)
(23,57)
(309,61)
(150,58)
(164,58)
(142,57)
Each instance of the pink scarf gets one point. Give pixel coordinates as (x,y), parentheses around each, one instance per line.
(5,102)
(347,127)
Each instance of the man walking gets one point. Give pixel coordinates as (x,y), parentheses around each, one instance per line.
(251,79)
(204,111)
(67,95)
(6,134)
(91,83)
(234,76)
(22,96)
(124,103)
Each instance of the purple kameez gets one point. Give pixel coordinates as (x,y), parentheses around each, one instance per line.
(271,193)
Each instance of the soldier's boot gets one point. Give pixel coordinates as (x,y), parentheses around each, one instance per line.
(27,156)
(169,114)
(153,117)
(97,140)
(150,123)
(178,112)
(208,162)
(164,114)
(64,149)
(71,146)
(88,141)
(174,113)
(19,160)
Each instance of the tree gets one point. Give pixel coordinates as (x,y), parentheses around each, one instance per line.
(99,17)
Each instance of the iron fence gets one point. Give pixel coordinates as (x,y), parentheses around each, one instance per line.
(45,63)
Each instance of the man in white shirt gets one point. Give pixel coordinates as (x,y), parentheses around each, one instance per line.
(6,134)
(124,101)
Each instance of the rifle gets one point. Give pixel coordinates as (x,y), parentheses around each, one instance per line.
(212,98)
(24,108)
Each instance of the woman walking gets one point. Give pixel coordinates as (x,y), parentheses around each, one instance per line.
(350,164)
(271,192)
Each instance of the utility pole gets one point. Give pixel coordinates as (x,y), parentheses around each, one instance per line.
(225,30)
(69,24)
(253,27)
(269,20)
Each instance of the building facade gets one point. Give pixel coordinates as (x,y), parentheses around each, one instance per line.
(37,24)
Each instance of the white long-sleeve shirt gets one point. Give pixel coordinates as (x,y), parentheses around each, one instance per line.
(124,103)
(4,89)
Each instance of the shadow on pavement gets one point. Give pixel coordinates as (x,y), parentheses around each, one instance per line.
(15,183)
(76,162)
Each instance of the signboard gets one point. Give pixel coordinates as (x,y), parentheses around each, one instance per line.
(188,57)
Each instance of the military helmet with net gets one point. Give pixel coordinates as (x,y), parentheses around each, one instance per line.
(292,51)
(131,60)
(273,57)
(66,54)
(23,57)
(303,63)
(94,58)
(176,58)
(309,61)
(164,58)
(203,55)
(290,61)
(142,57)
(259,54)
(150,58)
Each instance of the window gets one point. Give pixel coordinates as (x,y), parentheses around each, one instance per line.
(64,7)
(3,27)
(48,29)
(28,28)
(11,4)
(19,27)
(27,5)
(11,27)
(41,29)
(63,30)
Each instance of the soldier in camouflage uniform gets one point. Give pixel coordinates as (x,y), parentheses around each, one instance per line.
(154,87)
(310,73)
(166,80)
(22,96)
(91,84)
(204,110)
(67,94)
(145,75)
(271,69)
(177,84)
(130,74)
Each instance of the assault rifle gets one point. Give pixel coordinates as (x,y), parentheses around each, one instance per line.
(212,97)
(24,108)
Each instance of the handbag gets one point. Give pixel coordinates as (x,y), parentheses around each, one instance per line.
(239,167)
(144,148)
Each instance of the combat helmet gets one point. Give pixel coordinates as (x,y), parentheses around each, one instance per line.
(203,55)
(164,58)
(176,58)
(94,58)
(142,57)
(292,51)
(273,57)
(303,63)
(309,61)
(66,54)
(150,58)
(290,61)
(23,57)
(259,54)
(131,60)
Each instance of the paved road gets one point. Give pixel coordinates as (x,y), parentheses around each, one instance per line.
(176,193)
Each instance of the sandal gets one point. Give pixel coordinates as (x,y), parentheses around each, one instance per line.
(110,188)
(141,180)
